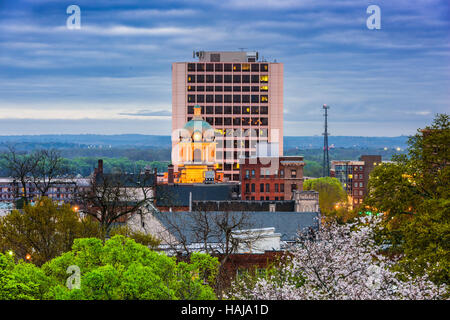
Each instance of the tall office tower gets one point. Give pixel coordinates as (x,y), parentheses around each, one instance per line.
(239,95)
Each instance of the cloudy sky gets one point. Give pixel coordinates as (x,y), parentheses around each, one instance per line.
(113,75)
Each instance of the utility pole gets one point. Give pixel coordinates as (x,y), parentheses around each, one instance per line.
(326,159)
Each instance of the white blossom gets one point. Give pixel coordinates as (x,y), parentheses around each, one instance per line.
(338,262)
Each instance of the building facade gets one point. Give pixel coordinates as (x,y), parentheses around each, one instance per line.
(240,96)
(354,175)
(274,178)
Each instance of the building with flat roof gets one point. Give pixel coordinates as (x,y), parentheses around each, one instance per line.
(354,175)
(240,96)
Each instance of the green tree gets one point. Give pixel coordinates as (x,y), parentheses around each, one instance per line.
(330,191)
(413,194)
(43,230)
(123,269)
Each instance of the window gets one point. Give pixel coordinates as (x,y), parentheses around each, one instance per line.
(267,172)
(255,78)
(247,173)
(200,78)
(255,67)
(293,187)
(210,98)
(281,187)
(360,184)
(209,67)
(218,78)
(236,98)
(264,67)
(245,89)
(236,88)
(209,88)
(218,110)
(218,121)
(264,121)
(200,88)
(264,79)
(293,173)
(276,188)
(200,67)
(227,78)
(264,98)
(191,78)
(200,98)
(191,88)
(282,173)
(237,67)
(227,121)
(356,185)
(245,78)
(267,187)
(247,187)
(227,67)
(227,98)
(261,187)
(255,98)
(255,89)
(218,67)
(218,89)
(255,110)
(267,198)
(261,173)
(209,109)
(236,78)
(245,67)
(191,67)
(264,110)
(253,173)
(261,198)
(264,88)
(245,110)
(209,78)
(236,121)
(191,98)
(236,110)
(245,98)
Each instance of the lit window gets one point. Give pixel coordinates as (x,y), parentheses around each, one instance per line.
(264,79)
(264,98)
(264,88)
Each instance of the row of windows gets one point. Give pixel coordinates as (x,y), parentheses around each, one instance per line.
(236,121)
(263,88)
(227,98)
(230,110)
(264,187)
(267,187)
(262,198)
(240,133)
(227,78)
(228,67)
(267,173)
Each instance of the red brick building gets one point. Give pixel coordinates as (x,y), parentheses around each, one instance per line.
(271,178)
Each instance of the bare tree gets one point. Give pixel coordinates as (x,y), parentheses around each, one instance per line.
(219,234)
(113,197)
(20,166)
(48,168)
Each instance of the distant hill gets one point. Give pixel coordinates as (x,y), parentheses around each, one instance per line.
(93,141)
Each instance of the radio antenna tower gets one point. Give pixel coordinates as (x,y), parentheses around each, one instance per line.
(326,159)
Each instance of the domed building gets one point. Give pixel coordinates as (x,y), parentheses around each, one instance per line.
(195,153)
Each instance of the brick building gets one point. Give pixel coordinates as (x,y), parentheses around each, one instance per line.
(274,178)
(354,175)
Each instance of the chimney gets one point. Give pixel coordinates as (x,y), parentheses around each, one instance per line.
(170,173)
(100,166)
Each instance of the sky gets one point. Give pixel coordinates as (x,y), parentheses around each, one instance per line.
(113,75)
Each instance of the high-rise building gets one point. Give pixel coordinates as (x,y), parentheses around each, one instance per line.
(240,96)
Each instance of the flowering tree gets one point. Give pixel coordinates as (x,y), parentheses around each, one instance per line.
(337,262)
